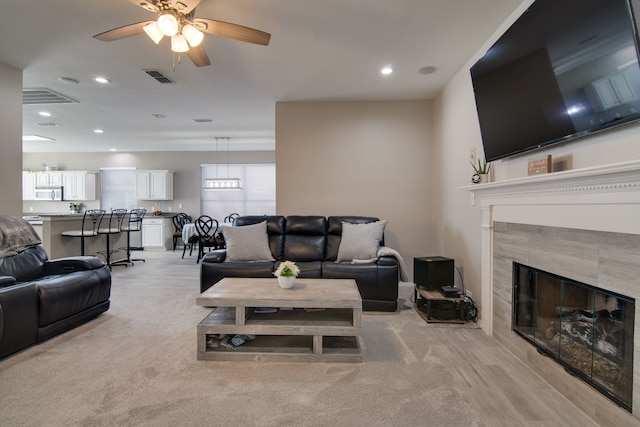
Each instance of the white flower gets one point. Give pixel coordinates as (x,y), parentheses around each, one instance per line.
(287,269)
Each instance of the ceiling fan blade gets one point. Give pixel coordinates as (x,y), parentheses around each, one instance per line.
(122,32)
(198,56)
(232,31)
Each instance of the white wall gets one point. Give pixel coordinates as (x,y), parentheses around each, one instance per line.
(456,131)
(10,140)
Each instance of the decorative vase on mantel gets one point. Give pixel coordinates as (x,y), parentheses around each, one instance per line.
(484,178)
(286,282)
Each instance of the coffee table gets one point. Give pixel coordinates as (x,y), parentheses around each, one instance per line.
(322,320)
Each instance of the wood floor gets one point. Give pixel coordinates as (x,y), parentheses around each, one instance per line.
(504,391)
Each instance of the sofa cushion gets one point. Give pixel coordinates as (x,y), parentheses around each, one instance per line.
(305,238)
(275,230)
(248,243)
(334,232)
(360,241)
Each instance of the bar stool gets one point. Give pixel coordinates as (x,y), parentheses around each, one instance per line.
(90,225)
(114,227)
(134,224)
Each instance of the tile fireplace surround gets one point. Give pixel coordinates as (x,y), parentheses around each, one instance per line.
(583,224)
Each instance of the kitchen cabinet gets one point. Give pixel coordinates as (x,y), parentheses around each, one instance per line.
(154,185)
(79,185)
(153,233)
(49,178)
(28,185)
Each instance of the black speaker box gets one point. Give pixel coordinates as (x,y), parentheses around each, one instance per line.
(432,273)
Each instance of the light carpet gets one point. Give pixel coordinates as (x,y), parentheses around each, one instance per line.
(136,365)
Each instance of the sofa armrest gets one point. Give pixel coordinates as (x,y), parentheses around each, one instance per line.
(71,264)
(218,255)
(387,260)
(7,281)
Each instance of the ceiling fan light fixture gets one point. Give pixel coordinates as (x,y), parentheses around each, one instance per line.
(192,34)
(179,43)
(168,24)
(154,32)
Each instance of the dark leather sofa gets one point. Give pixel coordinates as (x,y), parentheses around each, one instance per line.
(312,242)
(40,298)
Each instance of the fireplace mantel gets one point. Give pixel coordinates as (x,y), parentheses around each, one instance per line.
(621,179)
(602,198)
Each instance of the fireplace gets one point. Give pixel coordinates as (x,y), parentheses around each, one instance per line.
(586,329)
(581,225)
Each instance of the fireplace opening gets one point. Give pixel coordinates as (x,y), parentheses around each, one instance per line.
(586,329)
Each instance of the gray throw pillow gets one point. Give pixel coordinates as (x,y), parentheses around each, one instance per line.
(247,243)
(360,241)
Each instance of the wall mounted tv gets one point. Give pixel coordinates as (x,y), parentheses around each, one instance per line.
(564,69)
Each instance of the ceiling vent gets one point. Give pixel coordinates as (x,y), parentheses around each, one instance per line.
(158,76)
(203,120)
(44,96)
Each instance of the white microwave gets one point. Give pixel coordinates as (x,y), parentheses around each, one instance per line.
(49,193)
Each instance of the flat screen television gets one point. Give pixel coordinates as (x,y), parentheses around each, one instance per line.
(564,69)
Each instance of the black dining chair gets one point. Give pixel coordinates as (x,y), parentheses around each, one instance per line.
(231,218)
(178,222)
(114,226)
(207,229)
(90,224)
(192,240)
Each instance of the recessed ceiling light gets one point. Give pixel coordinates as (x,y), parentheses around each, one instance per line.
(36,138)
(113,149)
(427,70)
(44,114)
(46,124)
(98,131)
(386,70)
(101,79)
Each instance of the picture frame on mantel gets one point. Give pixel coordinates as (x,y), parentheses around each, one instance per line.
(539,165)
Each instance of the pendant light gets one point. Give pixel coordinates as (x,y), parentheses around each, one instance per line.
(218,183)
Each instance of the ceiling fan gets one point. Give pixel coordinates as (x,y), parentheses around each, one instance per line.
(176,19)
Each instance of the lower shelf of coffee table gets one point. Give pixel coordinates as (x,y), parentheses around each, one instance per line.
(326,336)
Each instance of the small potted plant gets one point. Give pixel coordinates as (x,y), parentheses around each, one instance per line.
(482,169)
(74,207)
(286,273)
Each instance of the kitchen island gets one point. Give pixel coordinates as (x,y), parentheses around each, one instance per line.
(59,246)
(158,230)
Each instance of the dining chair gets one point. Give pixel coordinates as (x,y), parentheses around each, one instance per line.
(207,229)
(90,225)
(231,218)
(178,222)
(189,238)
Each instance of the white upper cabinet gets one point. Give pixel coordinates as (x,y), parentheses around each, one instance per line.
(79,185)
(48,178)
(154,185)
